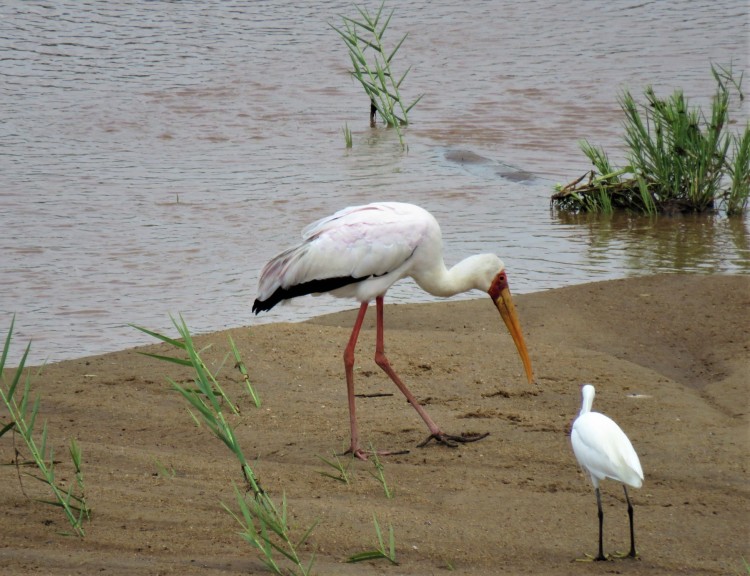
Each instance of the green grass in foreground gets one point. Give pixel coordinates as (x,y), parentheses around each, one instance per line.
(265,524)
(381,551)
(23,413)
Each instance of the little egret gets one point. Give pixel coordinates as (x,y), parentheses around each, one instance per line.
(604,451)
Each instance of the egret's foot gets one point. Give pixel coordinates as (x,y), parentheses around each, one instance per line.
(365,454)
(451,440)
(590,558)
(622,555)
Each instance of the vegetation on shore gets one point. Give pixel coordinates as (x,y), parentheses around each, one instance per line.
(23,412)
(264,521)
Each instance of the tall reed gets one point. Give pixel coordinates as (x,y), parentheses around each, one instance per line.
(364,37)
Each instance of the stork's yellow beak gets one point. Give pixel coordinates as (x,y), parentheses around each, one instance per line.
(500,294)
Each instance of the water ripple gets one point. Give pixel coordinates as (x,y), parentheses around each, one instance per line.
(154,155)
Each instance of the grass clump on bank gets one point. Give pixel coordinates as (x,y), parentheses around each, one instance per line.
(265,525)
(375,75)
(265,522)
(679,160)
(23,413)
(381,551)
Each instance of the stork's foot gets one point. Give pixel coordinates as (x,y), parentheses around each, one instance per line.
(451,440)
(365,454)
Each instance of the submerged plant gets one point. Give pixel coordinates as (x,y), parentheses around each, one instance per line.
(23,415)
(347,135)
(364,38)
(679,160)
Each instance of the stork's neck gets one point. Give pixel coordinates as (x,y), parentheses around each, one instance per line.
(470,273)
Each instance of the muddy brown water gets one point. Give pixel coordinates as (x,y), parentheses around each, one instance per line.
(155,155)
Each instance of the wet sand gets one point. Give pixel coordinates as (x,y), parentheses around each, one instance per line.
(668,355)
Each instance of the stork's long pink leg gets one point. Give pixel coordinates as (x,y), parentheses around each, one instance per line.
(382,361)
(349,367)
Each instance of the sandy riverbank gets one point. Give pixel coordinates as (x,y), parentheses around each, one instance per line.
(669,356)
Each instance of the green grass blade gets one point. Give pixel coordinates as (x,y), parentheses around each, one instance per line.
(6,347)
(178,361)
(162,337)
(23,406)
(307,533)
(243,370)
(364,556)
(75,455)
(648,201)
(387,20)
(378,532)
(43,447)
(391,545)
(393,53)
(410,106)
(7,427)
(403,76)
(364,25)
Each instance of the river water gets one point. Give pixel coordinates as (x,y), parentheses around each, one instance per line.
(155,154)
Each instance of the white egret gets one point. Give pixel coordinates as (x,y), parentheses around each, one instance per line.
(359,252)
(604,451)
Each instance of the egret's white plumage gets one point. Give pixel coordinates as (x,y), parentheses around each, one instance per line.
(359,252)
(604,451)
(602,448)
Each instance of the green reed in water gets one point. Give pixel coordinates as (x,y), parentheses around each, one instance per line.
(371,64)
(679,160)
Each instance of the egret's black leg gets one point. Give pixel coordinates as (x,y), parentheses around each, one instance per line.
(601,555)
(632,552)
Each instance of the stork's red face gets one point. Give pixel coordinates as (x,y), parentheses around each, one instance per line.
(500,294)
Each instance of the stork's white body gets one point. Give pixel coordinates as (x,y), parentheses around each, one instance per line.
(360,252)
(375,246)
